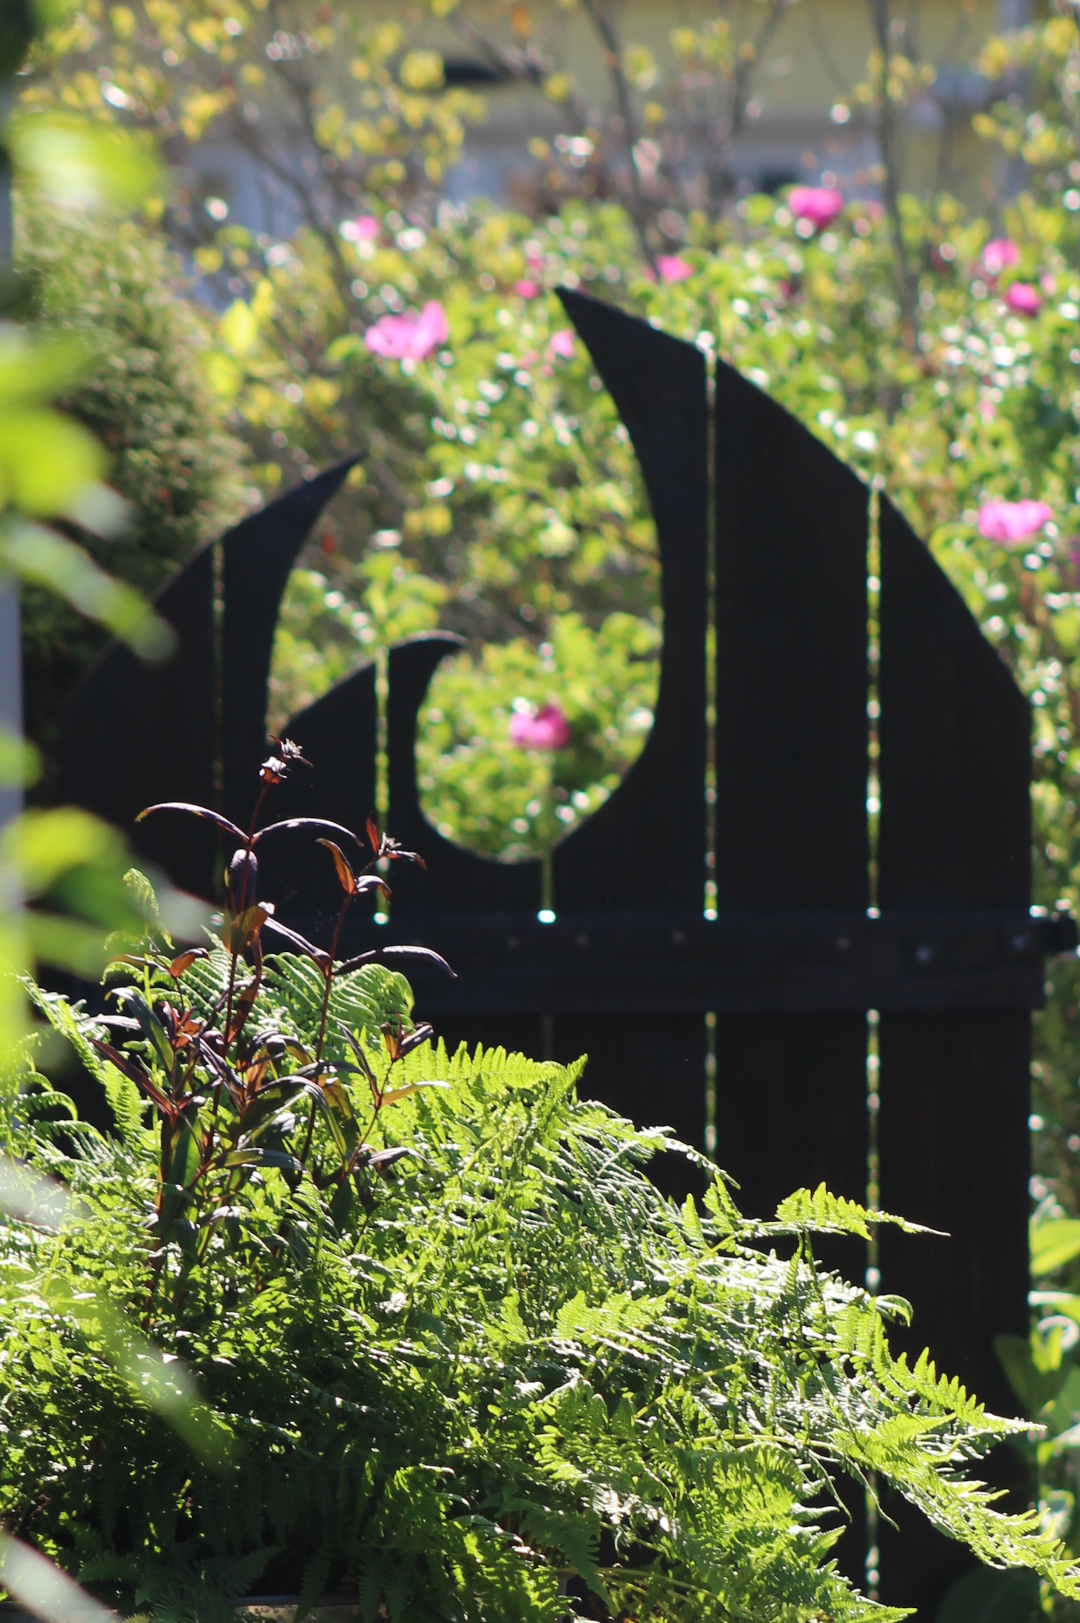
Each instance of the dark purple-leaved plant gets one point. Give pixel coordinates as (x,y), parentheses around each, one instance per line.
(227,1098)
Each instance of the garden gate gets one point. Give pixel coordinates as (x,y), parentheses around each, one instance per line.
(815,876)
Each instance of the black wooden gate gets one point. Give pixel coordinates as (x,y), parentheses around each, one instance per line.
(799,933)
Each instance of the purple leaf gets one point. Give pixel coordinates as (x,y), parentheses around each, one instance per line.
(420,952)
(306,822)
(195,811)
(307,947)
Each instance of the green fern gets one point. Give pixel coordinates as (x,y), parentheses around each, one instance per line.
(835,1214)
(505,1382)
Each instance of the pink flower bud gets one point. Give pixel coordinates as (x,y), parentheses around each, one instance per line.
(672,268)
(526,290)
(543,729)
(999,255)
(818,204)
(561,343)
(1023,298)
(409,337)
(364,229)
(1011,522)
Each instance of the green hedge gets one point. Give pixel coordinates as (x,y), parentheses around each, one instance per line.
(116,287)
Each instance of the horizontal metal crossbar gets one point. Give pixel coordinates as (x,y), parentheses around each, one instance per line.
(657,961)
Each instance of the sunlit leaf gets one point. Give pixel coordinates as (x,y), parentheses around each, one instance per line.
(83,165)
(43,1589)
(41,555)
(1054,1243)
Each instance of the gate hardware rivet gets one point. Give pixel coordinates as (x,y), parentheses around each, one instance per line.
(678,937)
(923,955)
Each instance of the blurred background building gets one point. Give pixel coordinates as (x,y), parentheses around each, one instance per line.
(794,115)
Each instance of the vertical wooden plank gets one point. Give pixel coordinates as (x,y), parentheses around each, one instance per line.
(791,1109)
(791,1113)
(791,764)
(791,729)
(955,1156)
(166,747)
(649,1067)
(791,752)
(646,846)
(133,734)
(955,744)
(955,832)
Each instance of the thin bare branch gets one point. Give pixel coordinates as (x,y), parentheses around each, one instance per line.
(887,133)
(604,24)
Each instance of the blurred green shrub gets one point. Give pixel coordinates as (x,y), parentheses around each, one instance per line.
(114,288)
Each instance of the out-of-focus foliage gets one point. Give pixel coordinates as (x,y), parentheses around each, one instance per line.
(1044,1371)
(332,100)
(113,288)
(603,680)
(61,872)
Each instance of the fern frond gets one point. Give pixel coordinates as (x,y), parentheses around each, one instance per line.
(834,1214)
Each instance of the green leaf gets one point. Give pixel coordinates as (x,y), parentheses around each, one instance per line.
(83,165)
(1054,1243)
(1033,1386)
(256,1156)
(273,1101)
(239,328)
(41,556)
(986,1596)
(834,1214)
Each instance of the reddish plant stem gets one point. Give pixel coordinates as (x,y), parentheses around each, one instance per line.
(328,974)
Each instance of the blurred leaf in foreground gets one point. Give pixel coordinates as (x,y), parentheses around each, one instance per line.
(43,1589)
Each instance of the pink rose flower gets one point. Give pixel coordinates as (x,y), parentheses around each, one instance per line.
(672,268)
(999,255)
(364,229)
(1010,522)
(526,290)
(409,337)
(1023,298)
(543,729)
(818,204)
(561,343)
